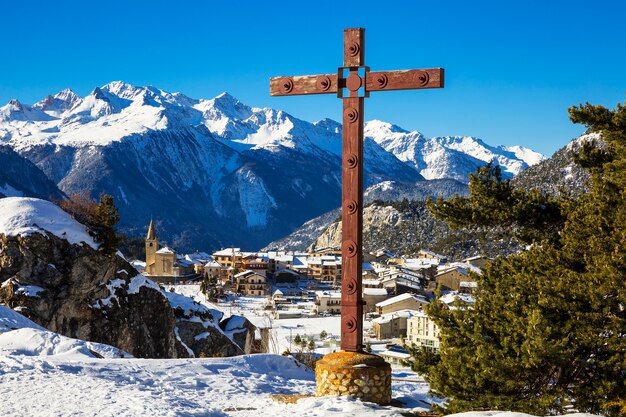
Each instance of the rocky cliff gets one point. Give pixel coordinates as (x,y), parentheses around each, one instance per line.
(52,274)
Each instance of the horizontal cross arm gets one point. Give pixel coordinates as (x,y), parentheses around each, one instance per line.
(305,84)
(404,79)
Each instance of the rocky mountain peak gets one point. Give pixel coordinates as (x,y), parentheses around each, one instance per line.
(378,127)
(15,105)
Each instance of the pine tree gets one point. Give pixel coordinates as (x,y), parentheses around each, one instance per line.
(548,325)
(107,217)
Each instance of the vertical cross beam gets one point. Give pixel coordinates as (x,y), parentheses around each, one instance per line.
(352,195)
(352,166)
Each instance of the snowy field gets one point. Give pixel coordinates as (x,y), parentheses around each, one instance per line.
(45,374)
(239,386)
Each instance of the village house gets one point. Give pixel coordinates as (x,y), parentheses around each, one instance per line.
(382,256)
(212,270)
(395,355)
(451,275)
(286,276)
(300,265)
(477,261)
(398,281)
(226,276)
(426,254)
(254,263)
(423,266)
(250,283)
(372,283)
(328,302)
(405,301)
(229,257)
(423,331)
(373,296)
(325,268)
(392,325)
(368,271)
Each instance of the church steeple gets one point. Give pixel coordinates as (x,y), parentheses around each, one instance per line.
(152,245)
(151,232)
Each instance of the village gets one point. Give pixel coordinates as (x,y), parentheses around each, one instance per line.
(297,295)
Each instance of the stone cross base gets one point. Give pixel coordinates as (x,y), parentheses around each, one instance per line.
(358,374)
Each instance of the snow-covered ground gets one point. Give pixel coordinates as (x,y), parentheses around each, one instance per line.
(45,374)
(24,216)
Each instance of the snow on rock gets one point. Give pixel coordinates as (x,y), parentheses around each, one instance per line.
(23,337)
(41,342)
(141,281)
(22,216)
(11,320)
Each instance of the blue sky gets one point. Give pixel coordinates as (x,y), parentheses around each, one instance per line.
(512,68)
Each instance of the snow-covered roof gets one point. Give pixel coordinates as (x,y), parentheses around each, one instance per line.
(473,258)
(450,297)
(386,318)
(213,264)
(228,252)
(402,297)
(328,294)
(24,216)
(165,250)
(374,291)
(366,266)
(463,268)
(430,253)
(244,273)
(394,354)
(371,282)
(420,263)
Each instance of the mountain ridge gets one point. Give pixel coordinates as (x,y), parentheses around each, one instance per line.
(213,171)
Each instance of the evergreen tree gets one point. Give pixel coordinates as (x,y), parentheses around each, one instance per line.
(107,217)
(496,203)
(548,325)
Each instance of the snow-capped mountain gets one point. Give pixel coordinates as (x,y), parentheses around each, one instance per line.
(448,156)
(211,172)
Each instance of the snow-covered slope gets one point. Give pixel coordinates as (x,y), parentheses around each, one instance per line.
(211,170)
(213,387)
(449,156)
(20,336)
(23,216)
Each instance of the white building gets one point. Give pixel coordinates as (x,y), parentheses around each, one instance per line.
(422,331)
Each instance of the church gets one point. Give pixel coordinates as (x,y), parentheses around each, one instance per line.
(159,262)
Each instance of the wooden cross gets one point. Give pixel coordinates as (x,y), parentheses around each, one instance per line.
(359,83)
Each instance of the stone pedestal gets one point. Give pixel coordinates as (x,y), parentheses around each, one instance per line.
(358,374)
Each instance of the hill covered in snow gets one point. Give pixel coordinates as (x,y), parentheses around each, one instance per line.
(217,172)
(44,374)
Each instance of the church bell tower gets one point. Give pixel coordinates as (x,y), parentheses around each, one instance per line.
(152,245)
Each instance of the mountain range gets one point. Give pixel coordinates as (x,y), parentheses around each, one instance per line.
(214,172)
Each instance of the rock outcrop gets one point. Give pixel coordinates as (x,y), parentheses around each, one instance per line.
(77,291)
